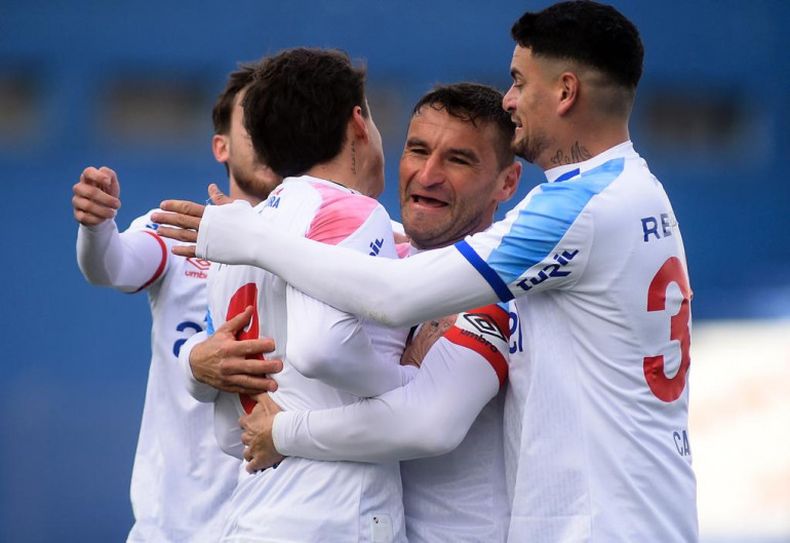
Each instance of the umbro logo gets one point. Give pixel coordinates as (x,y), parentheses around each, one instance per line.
(198,268)
(485,325)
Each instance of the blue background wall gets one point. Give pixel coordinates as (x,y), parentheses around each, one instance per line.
(711,119)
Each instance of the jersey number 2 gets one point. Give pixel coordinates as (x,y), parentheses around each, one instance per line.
(665,388)
(246,296)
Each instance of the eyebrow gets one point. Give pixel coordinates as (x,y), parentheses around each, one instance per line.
(415,142)
(468,154)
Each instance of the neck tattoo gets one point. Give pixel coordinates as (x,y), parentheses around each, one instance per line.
(578,153)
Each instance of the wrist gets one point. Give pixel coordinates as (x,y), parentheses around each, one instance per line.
(99,228)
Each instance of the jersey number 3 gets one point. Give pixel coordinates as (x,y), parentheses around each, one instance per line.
(244,297)
(665,388)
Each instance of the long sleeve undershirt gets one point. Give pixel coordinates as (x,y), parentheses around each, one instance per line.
(126,261)
(427,417)
(380,289)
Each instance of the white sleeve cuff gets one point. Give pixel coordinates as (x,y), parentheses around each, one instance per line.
(285,431)
(222,235)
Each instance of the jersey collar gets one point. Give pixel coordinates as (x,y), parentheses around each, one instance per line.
(569,171)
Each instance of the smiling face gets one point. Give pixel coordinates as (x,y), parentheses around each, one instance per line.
(529,103)
(450,178)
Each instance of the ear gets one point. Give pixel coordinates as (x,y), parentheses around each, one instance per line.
(219,146)
(568,92)
(358,124)
(509,177)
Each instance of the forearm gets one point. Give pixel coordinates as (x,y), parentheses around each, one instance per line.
(395,292)
(124,261)
(427,417)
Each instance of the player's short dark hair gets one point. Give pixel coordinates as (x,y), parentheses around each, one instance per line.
(223,107)
(298,105)
(587,32)
(477,104)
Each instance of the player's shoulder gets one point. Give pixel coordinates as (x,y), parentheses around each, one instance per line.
(488,320)
(485,332)
(341,213)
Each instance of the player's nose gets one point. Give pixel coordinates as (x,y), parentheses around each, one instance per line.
(431,172)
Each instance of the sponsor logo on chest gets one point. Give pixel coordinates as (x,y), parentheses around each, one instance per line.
(197,268)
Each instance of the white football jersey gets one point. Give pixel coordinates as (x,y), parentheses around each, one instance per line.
(305,500)
(597,446)
(181,480)
(461,496)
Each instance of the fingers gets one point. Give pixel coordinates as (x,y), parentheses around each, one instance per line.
(445,323)
(237,323)
(95,194)
(241,354)
(184,250)
(95,197)
(247,348)
(252,386)
(113,187)
(89,215)
(180,220)
(266,402)
(258,461)
(217,196)
(87,204)
(96,177)
(183,207)
(249,367)
(178,234)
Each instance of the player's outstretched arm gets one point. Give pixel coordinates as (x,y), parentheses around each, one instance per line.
(395,292)
(428,417)
(125,261)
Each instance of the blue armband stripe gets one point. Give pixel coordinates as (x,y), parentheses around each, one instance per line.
(499,286)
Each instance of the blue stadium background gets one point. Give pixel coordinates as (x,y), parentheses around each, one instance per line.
(131,85)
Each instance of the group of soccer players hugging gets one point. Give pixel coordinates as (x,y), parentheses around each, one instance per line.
(322,373)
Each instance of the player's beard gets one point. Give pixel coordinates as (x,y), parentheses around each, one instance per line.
(248,182)
(530,148)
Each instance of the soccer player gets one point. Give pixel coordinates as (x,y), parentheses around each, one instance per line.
(181,480)
(456,168)
(597,449)
(309,120)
